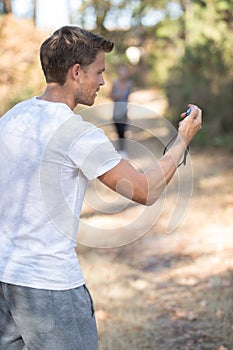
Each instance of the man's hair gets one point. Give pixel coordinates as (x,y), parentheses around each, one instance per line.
(67,46)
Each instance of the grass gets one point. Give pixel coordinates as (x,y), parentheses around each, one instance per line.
(171,291)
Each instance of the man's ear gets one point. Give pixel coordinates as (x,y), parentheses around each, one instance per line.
(75,70)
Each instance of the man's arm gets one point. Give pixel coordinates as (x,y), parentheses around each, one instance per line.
(145,188)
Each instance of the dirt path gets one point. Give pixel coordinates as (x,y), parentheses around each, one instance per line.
(171,291)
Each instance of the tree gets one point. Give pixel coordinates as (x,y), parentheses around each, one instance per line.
(34,10)
(7,6)
(204,74)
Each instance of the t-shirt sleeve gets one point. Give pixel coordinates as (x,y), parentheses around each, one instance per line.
(93,153)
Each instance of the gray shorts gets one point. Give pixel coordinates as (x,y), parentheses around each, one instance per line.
(36,319)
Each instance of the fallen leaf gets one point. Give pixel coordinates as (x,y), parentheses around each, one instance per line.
(222,347)
(220,314)
(152,299)
(101,315)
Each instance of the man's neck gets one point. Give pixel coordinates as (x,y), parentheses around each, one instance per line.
(58,93)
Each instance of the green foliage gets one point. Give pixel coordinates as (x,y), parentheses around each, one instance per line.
(186,48)
(20,72)
(204,74)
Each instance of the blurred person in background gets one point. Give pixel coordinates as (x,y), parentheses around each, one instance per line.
(121,89)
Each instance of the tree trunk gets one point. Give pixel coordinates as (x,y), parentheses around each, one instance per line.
(186,6)
(7,6)
(34,11)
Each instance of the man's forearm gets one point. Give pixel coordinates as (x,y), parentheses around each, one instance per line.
(159,176)
(147,187)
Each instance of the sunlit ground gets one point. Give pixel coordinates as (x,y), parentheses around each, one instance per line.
(171,291)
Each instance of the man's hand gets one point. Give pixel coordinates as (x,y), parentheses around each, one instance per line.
(191,124)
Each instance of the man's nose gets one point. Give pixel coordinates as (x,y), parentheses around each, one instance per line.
(101,81)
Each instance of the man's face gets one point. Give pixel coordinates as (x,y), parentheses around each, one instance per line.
(91,78)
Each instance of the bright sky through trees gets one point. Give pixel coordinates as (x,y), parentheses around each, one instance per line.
(52,14)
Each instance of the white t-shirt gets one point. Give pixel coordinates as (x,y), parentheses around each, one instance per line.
(48,155)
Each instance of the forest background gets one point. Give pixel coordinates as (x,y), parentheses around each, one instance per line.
(183,48)
(163,291)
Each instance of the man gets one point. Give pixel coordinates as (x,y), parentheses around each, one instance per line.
(48,155)
(121,89)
